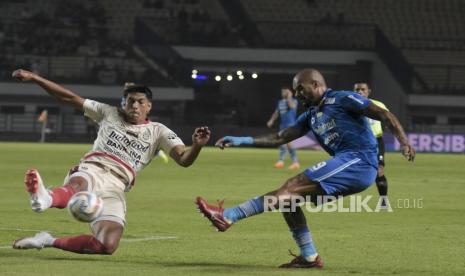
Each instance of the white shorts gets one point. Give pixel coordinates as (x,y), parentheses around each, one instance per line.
(108,187)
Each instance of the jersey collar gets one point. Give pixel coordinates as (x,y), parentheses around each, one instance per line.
(323,98)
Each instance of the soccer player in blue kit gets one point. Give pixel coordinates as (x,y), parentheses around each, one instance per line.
(286,112)
(337,119)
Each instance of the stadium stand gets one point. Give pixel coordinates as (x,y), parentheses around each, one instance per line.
(71,42)
(108,31)
(303,22)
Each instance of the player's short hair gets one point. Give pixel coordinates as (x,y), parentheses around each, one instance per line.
(137,88)
(363,82)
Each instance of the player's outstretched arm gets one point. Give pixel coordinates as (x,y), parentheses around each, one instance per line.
(186,156)
(62,94)
(390,121)
(271,140)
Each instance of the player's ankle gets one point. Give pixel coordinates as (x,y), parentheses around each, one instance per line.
(48,202)
(311,258)
(229,215)
(49,242)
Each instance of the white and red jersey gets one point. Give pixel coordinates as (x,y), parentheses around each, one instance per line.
(123,147)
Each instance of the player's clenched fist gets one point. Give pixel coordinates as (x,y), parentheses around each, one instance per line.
(23,75)
(409,152)
(201,136)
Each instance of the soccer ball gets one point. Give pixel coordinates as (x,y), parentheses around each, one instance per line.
(85,206)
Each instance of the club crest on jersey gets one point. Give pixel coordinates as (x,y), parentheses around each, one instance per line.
(172,136)
(146,135)
(330,100)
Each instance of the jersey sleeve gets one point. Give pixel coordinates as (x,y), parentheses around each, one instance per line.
(354,102)
(380,104)
(302,122)
(96,110)
(169,139)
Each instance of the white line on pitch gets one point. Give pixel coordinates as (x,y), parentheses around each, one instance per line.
(151,238)
(136,239)
(22,230)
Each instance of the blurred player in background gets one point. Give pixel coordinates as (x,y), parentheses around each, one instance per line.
(337,119)
(286,112)
(126,143)
(377,129)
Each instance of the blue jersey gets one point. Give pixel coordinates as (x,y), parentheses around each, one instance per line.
(287,115)
(339,126)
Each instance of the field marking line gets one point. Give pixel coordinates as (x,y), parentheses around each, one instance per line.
(135,239)
(151,238)
(23,230)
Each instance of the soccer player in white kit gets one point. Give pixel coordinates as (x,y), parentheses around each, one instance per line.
(126,143)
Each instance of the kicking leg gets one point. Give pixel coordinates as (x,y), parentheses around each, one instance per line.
(222,218)
(299,185)
(61,195)
(42,199)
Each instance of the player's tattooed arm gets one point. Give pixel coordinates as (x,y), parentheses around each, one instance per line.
(186,156)
(59,92)
(270,140)
(276,139)
(392,123)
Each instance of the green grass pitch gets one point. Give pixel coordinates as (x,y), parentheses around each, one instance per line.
(421,241)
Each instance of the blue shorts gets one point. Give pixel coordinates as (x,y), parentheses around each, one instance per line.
(345,174)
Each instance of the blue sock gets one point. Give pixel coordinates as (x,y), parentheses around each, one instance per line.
(282,152)
(293,154)
(243,210)
(303,238)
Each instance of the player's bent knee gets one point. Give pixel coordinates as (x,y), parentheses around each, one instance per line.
(109,234)
(110,247)
(286,188)
(297,185)
(78,182)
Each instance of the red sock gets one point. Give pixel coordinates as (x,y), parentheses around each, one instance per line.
(61,196)
(84,244)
